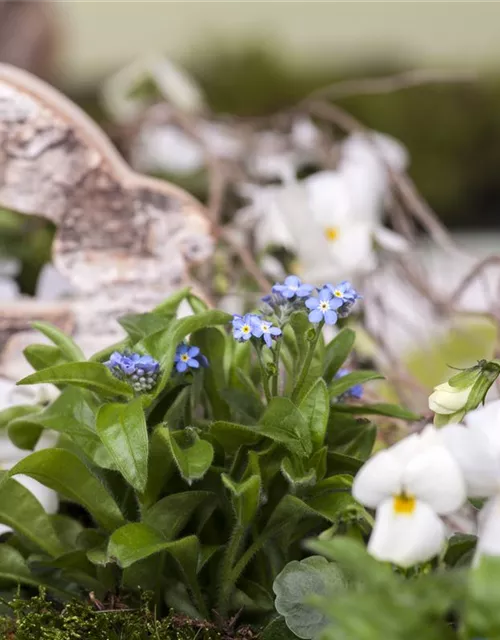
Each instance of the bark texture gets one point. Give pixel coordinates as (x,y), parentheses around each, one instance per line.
(124,241)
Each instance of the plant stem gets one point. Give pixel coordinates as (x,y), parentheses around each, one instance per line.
(263,374)
(239,567)
(227,584)
(307,363)
(277,350)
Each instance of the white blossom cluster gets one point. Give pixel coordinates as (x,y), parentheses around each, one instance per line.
(429,475)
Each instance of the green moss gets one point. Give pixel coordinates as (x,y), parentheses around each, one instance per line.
(41,619)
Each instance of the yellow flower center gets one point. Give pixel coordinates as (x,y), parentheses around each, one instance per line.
(337,293)
(245,328)
(184,357)
(404,505)
(331,233)
(264,327)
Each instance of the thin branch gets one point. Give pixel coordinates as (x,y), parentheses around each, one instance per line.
(246,259)
(391,83)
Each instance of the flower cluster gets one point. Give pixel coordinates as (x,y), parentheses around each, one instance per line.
(429,475)
(252,325)
(187,357)
(332,302)
(141,371)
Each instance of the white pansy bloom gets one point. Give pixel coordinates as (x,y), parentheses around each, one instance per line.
(331,220)
(410,485)
(476,448)
(447,399)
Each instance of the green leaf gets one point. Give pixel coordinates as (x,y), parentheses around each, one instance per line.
(162,344)
(171,514)
(244,405)
(353,557)
(482,616)
(295,585)
(73,414)
(42,356)
(67,529)
(380,409)
(245,497)
(123,431)
(465,378)
(232,436)
(141,325)
(194,460)
(24,433)
(284,423)
(197,304)
(350,436)
(315,408)
(341,385)
(18,411)
(460,549)
(65,473)
(171,304)
(89,375)
(136,541)
(296,475)
(277,630)
(13,567)
(212,344)
(342,463)
(300,325)
(20,510)
(160,467)
(482,385)
(70,350)
(337,351)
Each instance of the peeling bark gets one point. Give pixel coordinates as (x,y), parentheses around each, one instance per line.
(123,240)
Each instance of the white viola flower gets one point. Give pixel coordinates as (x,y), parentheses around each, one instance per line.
(331,220)
(410,485)
(476,448)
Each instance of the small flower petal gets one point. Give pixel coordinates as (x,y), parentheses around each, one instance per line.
(488,529)
(330,317)
(315,316)
(312,303)
(475,457)
(379,478)
(406,539)
(435,477)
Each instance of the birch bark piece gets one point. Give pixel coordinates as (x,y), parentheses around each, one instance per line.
(124,241)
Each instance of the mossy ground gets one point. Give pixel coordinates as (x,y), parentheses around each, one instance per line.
(41,619)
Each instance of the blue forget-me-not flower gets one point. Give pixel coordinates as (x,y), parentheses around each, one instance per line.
(244,327)
(324,307)
(187,357)
(265,329)
(141,371)
(293,287)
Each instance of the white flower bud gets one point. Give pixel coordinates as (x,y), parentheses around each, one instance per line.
(447,400)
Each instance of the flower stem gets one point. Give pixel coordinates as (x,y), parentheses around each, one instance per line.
(263,374)
(227,582)
(307,364)
(277,350)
